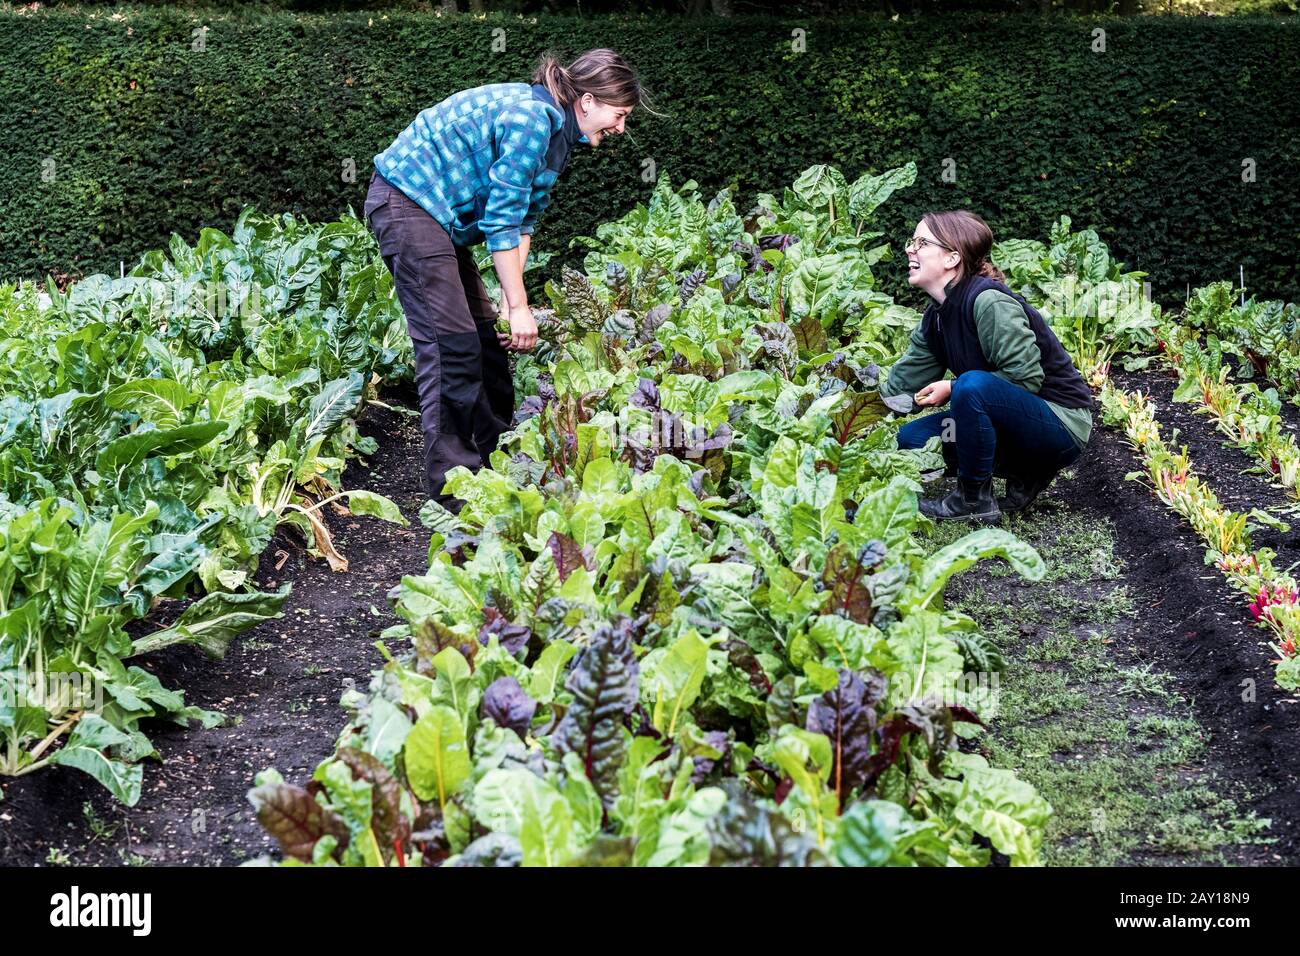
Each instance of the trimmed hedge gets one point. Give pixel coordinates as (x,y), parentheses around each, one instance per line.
(116,133)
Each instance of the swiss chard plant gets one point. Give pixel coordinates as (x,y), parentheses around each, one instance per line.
(684,617)
(154,430)
(1261,335)
(1097,309)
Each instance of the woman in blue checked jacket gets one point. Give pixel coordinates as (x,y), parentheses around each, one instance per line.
(480,167)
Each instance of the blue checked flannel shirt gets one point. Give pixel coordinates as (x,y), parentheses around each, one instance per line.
(483,161)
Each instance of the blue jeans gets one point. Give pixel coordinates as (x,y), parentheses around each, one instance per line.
(997,428)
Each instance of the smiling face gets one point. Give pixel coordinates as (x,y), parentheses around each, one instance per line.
(597,119)
(929,264)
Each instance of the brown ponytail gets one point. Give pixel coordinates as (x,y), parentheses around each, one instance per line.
(969,236)
(602,73)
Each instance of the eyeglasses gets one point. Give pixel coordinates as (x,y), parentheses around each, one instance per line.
(917,242)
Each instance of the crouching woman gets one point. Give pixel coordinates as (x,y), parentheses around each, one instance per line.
(1019,407)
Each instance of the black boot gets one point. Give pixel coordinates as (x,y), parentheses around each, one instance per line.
(972,501)
(949,465)
(1021,492)
(950,459)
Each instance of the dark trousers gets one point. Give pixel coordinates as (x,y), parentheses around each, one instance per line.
(467,395)
(995,428)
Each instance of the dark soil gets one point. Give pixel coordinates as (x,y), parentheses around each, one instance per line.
(1195,626)
(280,684)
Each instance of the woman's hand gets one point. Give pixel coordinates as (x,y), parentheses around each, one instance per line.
(509,264)
(522,336)
(936,393)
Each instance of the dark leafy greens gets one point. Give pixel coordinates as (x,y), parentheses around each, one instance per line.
(684,617)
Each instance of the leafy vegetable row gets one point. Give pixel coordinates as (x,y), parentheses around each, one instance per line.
(684,617)
(1262,334)
(1249,417)
(154,431)
(1273,594)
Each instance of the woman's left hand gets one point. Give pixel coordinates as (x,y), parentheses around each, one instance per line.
(522,336)
(516,327)
(936,393)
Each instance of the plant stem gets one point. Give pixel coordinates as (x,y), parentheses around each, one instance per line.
(53,736)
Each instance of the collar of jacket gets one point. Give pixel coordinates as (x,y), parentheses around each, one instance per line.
(557,154)
(945,307)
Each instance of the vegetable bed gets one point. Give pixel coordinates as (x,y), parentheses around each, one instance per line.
(1190,623)
(690,615)
(279,684)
